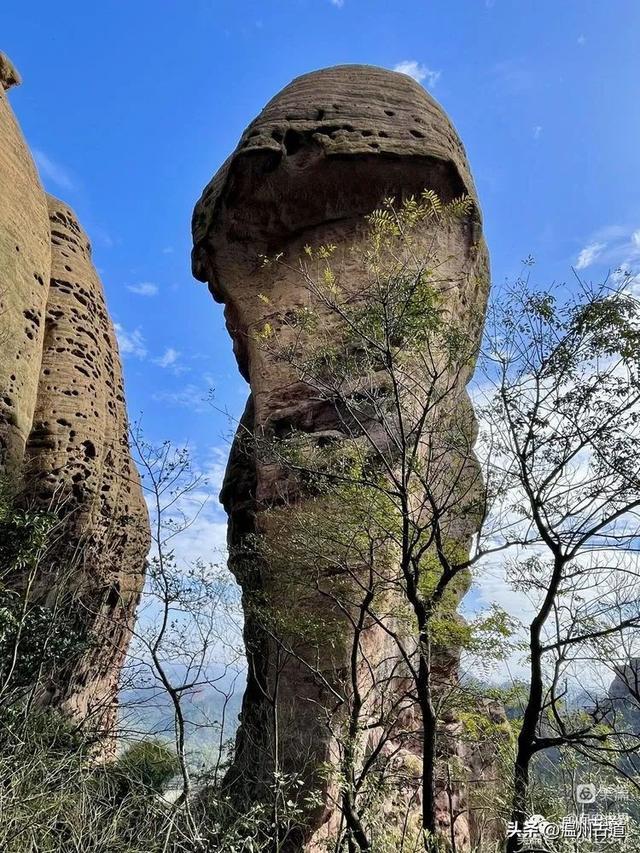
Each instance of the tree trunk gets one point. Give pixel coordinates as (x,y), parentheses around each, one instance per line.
(519,801)
(429,746)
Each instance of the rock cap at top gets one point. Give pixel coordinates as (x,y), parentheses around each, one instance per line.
(347,111)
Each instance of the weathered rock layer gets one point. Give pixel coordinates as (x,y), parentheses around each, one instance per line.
(64,433)
(24,278)
(323,154)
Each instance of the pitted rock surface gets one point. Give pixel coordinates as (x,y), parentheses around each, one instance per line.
(24,280)
(349,111)
(324,153)
(78,461)
(9,75)
(63,427)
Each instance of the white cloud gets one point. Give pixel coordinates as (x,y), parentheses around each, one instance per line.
(170,360)
(537,130)
(144,288)
(589,254)
(337,3)
(53,171)
(131,343)
(626,278)
(195,532)
(494,587)
(193,397)
(498,578)
(206,536)
(582,40)
(617,247)
(167,250)
(419,72)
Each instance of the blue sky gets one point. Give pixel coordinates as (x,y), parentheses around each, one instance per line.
(130,107)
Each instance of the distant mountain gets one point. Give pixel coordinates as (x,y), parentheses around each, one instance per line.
(210,711)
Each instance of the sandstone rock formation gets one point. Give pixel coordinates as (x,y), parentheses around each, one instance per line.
(64,433)
(24,279)
(77,460)
(322,154)
(9,75)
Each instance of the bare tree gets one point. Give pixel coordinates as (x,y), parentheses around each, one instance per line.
(563,373)
(187,636)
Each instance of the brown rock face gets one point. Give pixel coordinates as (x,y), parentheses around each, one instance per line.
(24,279)
(64,433)
(323,154)
(77,459)
(8,74)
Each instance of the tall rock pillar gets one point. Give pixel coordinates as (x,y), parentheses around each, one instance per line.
(78,464)
(24,279)
(64,436)
(323,154)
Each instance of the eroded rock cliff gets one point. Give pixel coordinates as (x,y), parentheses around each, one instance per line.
(323,154)
(77,461)
(64,433)
(24,278)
